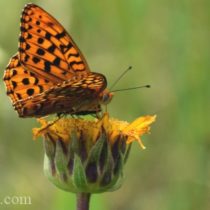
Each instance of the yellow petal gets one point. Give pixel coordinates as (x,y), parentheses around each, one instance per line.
(137,128)
(141,123)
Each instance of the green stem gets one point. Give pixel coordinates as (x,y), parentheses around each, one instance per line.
(83,201)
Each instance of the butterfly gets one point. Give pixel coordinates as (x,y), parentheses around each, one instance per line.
(49,73)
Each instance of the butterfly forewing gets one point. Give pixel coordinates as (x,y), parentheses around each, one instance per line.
(46,48)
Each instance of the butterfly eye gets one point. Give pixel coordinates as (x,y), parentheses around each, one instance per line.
(106,97)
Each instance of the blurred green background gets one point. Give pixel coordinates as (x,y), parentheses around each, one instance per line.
(168,45)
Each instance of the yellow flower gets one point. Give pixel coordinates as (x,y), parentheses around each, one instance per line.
(88,155)
(61,128)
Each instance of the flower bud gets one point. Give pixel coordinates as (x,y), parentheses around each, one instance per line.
(89,155)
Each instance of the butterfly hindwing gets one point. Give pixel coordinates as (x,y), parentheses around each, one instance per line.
(21,83)
(71,97)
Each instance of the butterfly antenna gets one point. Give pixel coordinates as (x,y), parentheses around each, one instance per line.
(119,78)
(132,88)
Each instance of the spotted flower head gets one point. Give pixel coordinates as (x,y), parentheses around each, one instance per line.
(89,155)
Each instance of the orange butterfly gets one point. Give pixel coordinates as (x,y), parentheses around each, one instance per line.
(49,74)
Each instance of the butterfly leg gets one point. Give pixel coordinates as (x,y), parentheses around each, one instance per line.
(50,124)
(98,115)
(59,115)
(73,116)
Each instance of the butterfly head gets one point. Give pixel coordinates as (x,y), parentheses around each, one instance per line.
(105,97)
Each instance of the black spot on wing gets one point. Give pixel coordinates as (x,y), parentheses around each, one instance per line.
(56,62)
(29,36)
(27,46)
(37,22)
(19,96)
(40,40)
(36,81)
(76,62)
(21,39)
(52,48)
(14,72)
(25,81)
(10,92)
(40,88)
(60,35)
(47,35)
(26,58)
(21,50)
(47,66)
(30,91)
(40,51)
(74,55)
(14,84)
(35,60)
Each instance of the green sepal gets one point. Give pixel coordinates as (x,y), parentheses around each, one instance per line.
(118,177)
(56,178)
(128,149)
(73,145)
(95,152)
(61,159)
(79,178)
(49,147)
